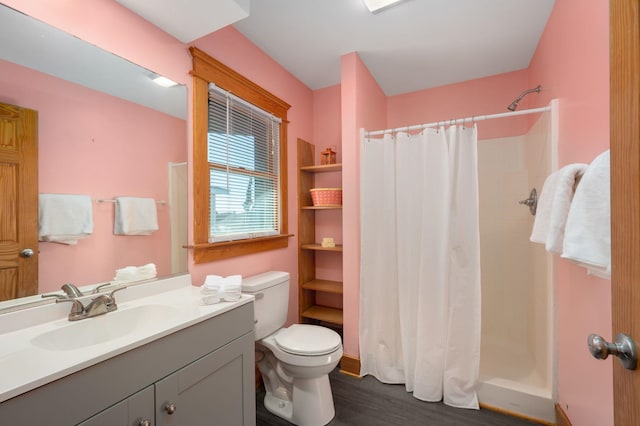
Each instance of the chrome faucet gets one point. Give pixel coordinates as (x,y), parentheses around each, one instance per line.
(98,306)
(71,291)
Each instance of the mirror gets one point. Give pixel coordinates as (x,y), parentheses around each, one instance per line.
(105,129)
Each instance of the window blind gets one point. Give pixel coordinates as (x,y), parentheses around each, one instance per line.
(244,169)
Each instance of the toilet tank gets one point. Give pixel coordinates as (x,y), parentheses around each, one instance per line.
(271,291)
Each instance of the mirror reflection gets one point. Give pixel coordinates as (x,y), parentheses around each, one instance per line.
(104,130)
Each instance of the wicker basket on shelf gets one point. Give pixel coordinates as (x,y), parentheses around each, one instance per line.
(326,197)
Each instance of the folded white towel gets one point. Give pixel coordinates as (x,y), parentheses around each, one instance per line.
(218,288)
(135,273)
(553,206)
(211,299)
(64,218)
(135,216)
(588,231)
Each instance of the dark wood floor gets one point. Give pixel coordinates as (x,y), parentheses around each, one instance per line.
(368,402)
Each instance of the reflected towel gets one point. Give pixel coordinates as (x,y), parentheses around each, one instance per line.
(553,206)
(588,231)
(64,218)
(135,273)
(135,216)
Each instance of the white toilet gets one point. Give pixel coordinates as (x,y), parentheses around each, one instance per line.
(295,361)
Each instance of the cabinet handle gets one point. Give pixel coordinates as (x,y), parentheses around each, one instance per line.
(169,407)
(145,422)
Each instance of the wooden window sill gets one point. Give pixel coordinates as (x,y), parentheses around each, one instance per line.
(210,252)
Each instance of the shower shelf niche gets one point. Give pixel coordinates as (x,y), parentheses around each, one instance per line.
(316,296)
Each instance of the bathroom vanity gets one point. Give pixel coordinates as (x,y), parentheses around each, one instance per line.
(176,362)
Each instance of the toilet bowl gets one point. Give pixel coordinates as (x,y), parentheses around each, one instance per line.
(295,361)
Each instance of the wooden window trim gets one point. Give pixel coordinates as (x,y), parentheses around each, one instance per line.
(205,70)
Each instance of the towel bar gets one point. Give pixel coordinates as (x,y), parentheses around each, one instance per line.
(110,200)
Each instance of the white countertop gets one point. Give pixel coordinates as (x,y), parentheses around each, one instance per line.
(26,365)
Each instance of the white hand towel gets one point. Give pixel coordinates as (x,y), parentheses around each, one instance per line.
(588,231)
(135,273)
(64,218)
(232,288)
(553,206)
(227,289)
(135,216)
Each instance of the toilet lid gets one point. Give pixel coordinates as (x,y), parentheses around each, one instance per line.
(305,339)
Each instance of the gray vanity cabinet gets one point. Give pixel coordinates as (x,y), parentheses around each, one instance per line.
(205,371)
(133,411)
(208,391)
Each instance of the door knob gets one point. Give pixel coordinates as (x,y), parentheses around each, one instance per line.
(26,252)
(624,348)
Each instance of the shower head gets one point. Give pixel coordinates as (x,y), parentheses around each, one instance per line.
(514,104)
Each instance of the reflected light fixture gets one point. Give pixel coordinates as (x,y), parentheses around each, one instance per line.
(163,81)
(376,6)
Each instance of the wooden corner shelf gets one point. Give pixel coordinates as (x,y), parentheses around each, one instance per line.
(321,207)
(319,247)
(318,299)
(322,168)
(324,286)
(324,313)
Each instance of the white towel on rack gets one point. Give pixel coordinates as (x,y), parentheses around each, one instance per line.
(588,231)
(553,206)
(135,216)
(64,218)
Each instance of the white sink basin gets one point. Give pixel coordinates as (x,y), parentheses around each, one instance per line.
(104,328)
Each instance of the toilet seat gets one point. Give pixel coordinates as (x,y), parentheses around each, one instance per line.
(307,340)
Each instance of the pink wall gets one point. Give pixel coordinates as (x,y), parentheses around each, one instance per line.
(363,106)
(489,95)
(234,50)
(97,145)
(572,64)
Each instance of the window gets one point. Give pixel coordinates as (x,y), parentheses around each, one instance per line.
(244,164)
(239,164)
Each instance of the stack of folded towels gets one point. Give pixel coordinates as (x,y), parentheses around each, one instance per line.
(135,273)
(217,288)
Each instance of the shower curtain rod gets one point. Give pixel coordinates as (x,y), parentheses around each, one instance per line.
(458,121)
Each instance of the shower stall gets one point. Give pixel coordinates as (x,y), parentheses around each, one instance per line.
(517,361)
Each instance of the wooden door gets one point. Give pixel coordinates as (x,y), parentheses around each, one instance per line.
(625,197)
(18,201)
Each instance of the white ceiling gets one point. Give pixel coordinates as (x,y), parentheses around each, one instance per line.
(414,45)
(201,17)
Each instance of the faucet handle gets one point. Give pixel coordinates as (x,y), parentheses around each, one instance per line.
(110,300)
(117,289)
(97,289)
(54,295)
(77,309)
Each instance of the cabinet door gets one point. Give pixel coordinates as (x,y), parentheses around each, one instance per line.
(132,411)
(217,389)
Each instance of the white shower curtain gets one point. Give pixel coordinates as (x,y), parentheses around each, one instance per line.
(420,265)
